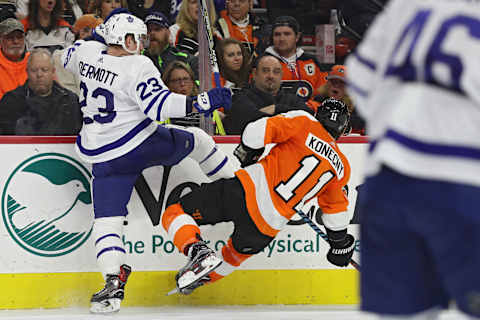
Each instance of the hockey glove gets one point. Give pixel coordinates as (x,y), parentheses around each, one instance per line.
(247,155)
(342,246)
(215,98)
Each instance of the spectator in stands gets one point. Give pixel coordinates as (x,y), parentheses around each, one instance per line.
(302,73)
(82,28)
(264,98)
(160,51)
(184,33)
(236,22)
(142,8)
(13,58)
(44,27)
(179,78)
(102,8)
(41,106)
(234,62)
(335,88)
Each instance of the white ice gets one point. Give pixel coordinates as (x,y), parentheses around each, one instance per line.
(208,313)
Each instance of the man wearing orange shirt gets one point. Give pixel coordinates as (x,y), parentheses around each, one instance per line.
(302,73)
(238,23)
(305,163)
(13,58)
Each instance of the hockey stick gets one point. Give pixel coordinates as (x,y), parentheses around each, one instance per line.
(322,234)
(211,53)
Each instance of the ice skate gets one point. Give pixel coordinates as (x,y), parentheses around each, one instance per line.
(195,274)
(109,298)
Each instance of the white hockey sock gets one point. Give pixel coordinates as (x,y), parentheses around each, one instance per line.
(213,161)
(110,253)
(216,165)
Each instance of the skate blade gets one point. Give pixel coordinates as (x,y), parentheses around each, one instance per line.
(186,279)
(177,290)
(169,293)
(113,306)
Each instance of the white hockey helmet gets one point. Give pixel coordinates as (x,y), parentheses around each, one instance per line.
(120,25)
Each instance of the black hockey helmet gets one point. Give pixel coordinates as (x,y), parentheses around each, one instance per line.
(334,116)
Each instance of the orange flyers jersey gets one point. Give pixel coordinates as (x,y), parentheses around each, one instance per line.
(231,30)
(305,79)
(305,163)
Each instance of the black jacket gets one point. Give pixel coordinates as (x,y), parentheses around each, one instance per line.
(171,54)
(24,113)
(246,105)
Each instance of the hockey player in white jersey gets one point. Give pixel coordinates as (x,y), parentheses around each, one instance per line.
(122,95)
(415,79)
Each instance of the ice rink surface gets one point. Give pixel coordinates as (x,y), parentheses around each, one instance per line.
(208,313)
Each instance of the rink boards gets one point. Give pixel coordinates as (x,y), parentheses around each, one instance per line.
(48,257)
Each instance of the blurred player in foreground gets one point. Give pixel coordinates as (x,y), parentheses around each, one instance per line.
(415,79)
(122,95)
(305,163)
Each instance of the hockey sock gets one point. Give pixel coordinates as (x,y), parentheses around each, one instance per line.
(213,161)
(231,260)
(108,233)
(217,165)
(180,226)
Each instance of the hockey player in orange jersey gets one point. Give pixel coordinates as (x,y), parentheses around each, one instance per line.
(305,163)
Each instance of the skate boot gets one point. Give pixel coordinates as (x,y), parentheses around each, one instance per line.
(195,274)
(108,299)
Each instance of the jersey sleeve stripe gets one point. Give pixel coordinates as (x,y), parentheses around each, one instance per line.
(434,149)
(361,92)
(254,134)
(160,105)
(152,102)
(366,62)
(120,142)
(259,200)
(252,205)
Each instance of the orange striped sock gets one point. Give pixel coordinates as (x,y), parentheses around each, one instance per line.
(180,226)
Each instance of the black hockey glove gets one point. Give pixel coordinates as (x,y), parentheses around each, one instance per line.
(342,246)
(247,155)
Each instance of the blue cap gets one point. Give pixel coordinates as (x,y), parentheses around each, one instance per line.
(157,18)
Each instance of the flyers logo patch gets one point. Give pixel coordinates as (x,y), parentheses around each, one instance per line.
(303,92)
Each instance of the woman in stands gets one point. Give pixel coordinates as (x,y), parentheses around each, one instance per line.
(184,33)
(179,78)
(44,27)
(234,62)
(102,8)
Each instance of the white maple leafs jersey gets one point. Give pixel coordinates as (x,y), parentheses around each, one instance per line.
(120,98)
(415,79)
